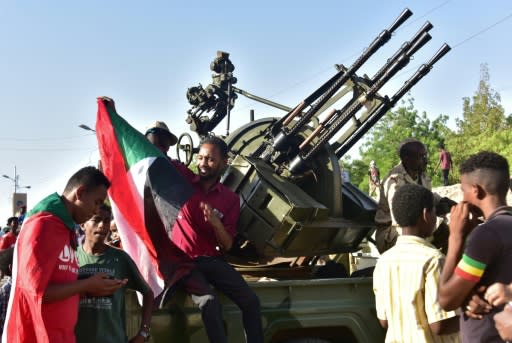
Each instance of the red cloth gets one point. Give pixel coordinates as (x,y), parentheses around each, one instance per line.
(191,233)
(43,255)
(7,240)
(445,159)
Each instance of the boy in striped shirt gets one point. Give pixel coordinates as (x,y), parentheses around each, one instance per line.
(478,255)
(406,277)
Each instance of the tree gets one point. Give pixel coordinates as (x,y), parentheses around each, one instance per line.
(383,140)
(484,113)
(484,125)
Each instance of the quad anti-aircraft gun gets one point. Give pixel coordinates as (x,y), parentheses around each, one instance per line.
(286,170)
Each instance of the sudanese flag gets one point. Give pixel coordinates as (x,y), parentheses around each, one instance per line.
(146,195)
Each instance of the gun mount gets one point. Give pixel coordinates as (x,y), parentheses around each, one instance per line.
(286,170)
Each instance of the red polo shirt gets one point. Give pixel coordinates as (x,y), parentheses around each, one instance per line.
(191,233)
(7,240)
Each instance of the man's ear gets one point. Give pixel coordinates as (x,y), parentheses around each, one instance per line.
(479,191)
(79,192)
(424,216)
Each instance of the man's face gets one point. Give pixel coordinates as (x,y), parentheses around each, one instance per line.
(114,234)
(210,163)
(88,202)
(469,193)
(97,227)
(418,158)
(14,225)
(161,141)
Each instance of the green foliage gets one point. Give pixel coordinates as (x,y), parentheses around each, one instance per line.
(383,140)
(484,125)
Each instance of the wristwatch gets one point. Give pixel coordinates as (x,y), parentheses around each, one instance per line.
(145,332)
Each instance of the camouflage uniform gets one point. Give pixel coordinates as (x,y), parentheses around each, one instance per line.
(387,228)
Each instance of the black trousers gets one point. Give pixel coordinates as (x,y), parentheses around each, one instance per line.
(445,176)
(216,272)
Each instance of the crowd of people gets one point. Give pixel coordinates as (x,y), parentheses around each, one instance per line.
(422,295)
(66,278)
(64,275)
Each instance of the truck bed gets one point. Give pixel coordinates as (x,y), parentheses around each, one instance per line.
(328,310)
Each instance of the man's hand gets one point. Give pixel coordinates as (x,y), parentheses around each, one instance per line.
(498,294)
(461,223)
(101,284)
(210,216)
(477,306)
(503,323)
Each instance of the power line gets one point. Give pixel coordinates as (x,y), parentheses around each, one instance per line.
(315,75)
(414,67)
(424,15)
(482,31)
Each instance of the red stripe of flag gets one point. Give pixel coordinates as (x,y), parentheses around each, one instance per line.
(466,275)
(120,190)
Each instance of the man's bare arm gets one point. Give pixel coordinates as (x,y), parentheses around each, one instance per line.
(453,289)
(98,285)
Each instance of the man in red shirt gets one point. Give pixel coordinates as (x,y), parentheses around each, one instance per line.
(204,230)
(9,239)
(445,161)
(43,305)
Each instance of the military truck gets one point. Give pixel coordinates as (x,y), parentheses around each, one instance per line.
(294,207)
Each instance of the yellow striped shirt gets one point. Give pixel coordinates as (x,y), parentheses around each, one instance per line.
(405,283)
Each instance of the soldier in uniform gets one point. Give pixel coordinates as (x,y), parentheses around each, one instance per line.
(373,179)
(411,169)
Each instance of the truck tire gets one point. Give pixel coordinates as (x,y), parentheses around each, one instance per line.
(307,340)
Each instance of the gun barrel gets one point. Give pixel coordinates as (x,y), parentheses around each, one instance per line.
(418,44)
(443,50)
(423,70)
(319,128)
(327,90)
(326,133)
(406,13)
(404,48)
(345,115)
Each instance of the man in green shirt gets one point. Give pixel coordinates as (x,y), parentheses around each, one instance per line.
(102,319)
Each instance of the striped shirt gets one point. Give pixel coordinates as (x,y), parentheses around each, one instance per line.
(405,283)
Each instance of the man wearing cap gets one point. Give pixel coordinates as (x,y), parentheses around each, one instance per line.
(205,230)
(160,136)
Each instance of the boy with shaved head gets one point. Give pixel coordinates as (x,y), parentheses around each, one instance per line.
(478,255)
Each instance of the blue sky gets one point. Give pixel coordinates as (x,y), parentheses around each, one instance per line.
(57,56)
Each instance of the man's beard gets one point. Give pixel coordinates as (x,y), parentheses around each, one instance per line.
(209,176)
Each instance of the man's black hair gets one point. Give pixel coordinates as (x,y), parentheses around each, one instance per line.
(11,219)
(90,177)
(106,207)
(409,202)
(408,147)
(6,256)
(440,145)
(489,168)
(214,140)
